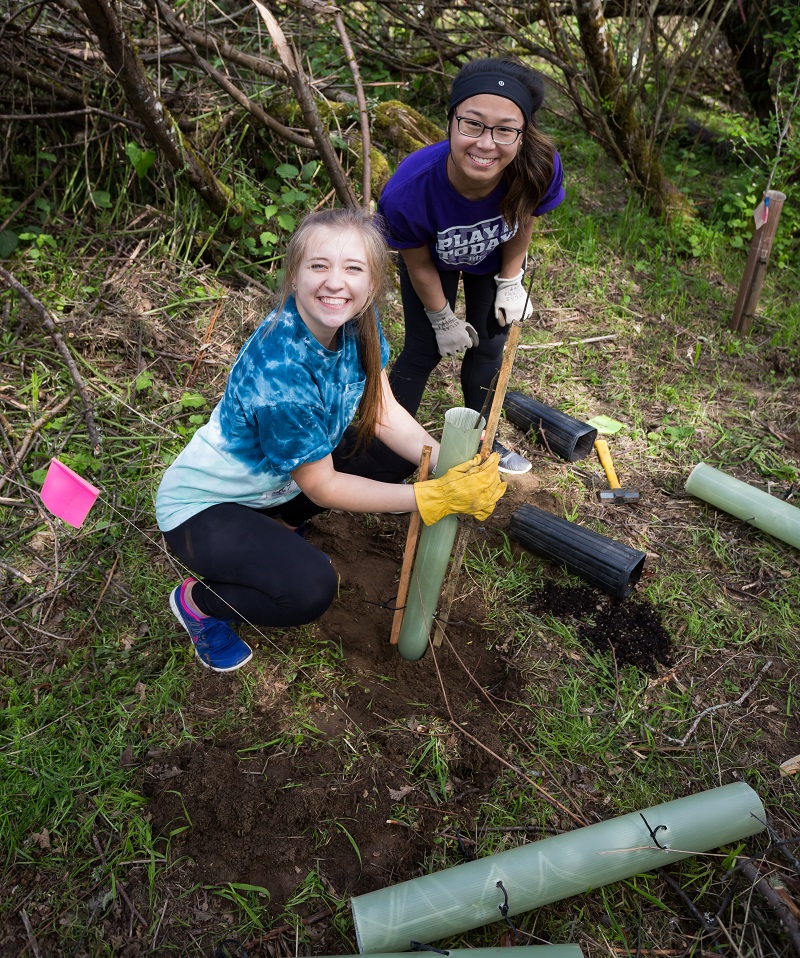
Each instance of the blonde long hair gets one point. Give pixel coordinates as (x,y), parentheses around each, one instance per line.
(366,322)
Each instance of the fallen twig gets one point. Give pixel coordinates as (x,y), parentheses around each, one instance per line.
(714,708)
(706,921)
(571,342)
(118,884)
(20,575)
(61,346)
(517,771)
(780,843)
(19,455)
(106,584)
(505,720)
(283,929)
(206,340)
(761,884)
(29,931)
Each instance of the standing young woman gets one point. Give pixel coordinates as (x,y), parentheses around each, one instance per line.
(466,207)
(278,448)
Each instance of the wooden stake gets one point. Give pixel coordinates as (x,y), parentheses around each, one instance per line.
(450,590)
(408,554)
(490,432)
(500,390)
(756,267)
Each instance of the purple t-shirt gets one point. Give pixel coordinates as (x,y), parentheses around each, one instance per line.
(422,208)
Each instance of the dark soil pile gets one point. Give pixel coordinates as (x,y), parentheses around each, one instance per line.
(632,631)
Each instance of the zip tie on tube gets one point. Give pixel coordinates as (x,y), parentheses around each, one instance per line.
(419,946)
(654,832)
(503,909)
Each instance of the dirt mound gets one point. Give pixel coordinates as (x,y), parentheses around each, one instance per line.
(341,806)
(631,630)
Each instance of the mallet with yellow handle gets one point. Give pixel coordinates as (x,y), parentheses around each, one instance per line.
(616,493)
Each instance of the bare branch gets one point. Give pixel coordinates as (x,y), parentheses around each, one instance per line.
(363,114)
(302,92)
(50,323)
(178,30)
(144,99)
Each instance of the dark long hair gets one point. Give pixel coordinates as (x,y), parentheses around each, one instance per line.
(366,322)
(530,172)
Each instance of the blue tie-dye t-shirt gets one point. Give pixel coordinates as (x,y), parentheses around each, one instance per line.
(288,401)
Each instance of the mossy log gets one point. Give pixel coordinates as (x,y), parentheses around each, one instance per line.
(289,110)
(401,126)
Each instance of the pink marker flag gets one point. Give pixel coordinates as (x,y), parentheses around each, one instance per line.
(68,495)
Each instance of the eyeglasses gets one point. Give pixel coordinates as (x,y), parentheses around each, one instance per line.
(504,135)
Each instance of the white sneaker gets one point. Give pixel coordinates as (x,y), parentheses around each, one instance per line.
(511,462)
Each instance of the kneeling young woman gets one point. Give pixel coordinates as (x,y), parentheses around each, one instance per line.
(281,447)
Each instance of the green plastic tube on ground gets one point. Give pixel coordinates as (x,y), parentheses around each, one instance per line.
(520,951)
(460,438)
(467,896)
(754,506)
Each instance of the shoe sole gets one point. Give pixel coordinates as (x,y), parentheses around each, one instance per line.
(206,665)
(515,472)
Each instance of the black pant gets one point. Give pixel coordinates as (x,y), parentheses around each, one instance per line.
(253,568)
(420,354)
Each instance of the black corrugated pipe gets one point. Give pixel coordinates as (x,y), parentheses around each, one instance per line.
(611,566)
(568,438)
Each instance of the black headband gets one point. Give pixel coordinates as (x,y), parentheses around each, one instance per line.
(496,83)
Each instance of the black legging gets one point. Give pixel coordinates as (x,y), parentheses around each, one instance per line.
(420,354)
(253,568)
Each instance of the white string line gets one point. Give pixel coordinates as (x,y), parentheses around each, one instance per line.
(121,402)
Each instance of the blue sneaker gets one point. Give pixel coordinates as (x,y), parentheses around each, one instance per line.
(217,646)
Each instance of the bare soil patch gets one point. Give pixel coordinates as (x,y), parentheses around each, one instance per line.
(267,818)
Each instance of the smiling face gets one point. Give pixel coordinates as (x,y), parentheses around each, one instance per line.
(476,165)
(333,281)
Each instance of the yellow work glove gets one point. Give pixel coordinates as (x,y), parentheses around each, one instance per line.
(472,488)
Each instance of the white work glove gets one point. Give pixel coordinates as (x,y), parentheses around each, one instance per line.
(510,300)
(453,335)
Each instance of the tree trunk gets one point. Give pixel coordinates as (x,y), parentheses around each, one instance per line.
(124,63)
(753,53)
(629,138)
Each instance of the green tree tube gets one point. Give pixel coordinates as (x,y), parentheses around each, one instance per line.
(520,951)
(467,896)
(754,506)
(460,438)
